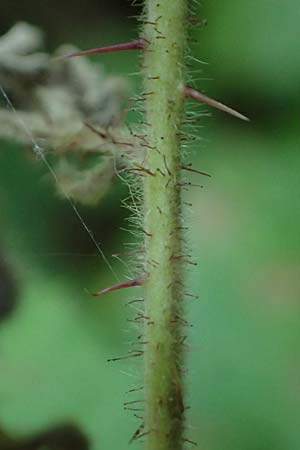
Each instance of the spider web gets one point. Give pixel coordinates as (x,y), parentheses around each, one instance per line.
(40,153)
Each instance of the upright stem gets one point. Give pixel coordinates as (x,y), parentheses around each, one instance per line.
(165,35)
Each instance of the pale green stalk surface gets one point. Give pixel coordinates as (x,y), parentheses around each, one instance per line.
(165,33)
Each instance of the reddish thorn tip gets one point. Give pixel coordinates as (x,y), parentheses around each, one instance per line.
(133,45)
(126,284)
(198,96)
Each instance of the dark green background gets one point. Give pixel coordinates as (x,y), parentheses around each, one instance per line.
(244,365)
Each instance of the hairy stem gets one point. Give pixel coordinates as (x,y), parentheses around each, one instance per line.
(165,34)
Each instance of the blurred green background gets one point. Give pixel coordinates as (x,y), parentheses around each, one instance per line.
(244,366)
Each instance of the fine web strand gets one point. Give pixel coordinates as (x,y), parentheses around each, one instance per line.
(37,149)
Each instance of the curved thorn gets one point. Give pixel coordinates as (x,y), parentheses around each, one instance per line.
(125,284)
(191,169)
(196,95)
(133,45)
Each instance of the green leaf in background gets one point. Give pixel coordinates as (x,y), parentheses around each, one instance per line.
(252,46)
(245,362)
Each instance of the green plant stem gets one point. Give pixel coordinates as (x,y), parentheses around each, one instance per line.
(165,35)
